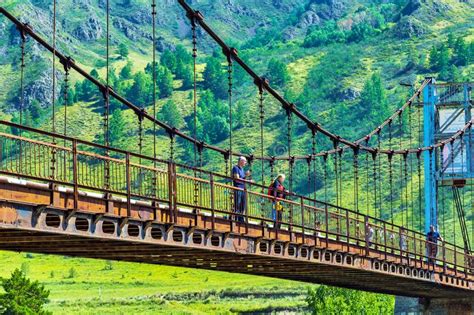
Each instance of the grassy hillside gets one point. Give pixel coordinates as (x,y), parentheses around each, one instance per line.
(87,286)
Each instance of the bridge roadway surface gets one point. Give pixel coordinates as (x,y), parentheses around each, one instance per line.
(37,217)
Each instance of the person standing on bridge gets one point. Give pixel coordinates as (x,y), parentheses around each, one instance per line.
(277,191)
(239,179)
(432,238)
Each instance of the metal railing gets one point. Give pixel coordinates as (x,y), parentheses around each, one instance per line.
(92,167)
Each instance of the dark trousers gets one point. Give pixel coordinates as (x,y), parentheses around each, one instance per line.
(239,205)
(432,250)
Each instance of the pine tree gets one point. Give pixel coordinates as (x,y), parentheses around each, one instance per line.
(140,90)
(116,128)
(183,55)
(277,73)
(215,78)
(373,99)
(164,80)
(170,114)
(168,59)
(126,72)
(22,296)
(184,72)
(123,50)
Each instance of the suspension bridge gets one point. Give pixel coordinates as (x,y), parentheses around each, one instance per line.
(60,194)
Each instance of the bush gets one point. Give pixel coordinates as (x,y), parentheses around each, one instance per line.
(22,296)
(332,300)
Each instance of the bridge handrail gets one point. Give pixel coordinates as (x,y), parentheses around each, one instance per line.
(190,168)
(294,220)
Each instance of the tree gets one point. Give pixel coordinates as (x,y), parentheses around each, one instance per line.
(140,90)
(439,58)
(126,72)
(212,115)
(185,73)
(170,114)
(87,90)
(373,100)
(277,72)
(123,50)
(331,300)
(117,128)
(168,59)
(164,80)
(461,52)
(22,296)
(215,78)
(183,55)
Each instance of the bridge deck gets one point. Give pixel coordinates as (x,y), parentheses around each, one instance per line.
(35,217)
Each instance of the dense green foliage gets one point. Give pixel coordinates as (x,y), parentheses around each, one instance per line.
(326,300)
(277,73)
(22,296)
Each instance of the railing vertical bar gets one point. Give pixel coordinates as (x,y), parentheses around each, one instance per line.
(129,194)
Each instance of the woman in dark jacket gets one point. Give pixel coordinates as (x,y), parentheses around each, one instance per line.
(278,191)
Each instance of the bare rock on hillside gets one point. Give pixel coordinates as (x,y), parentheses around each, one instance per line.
(130,30)
(89,30)
(408,27)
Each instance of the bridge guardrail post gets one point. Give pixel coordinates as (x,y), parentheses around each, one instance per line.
(455,260)
(129,189)
(385,239)
(302,218)
(75,175)
(246,209)
(171,192)
(348,233)
(327,224)
(366,234)
(213,218)
(444,256)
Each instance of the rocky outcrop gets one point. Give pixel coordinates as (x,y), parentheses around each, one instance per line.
(308,19)
(319,11)
(130,30)
(349,94)
(162,44)
(41,89)
(409,26)
(83,4)
(89,30)
(141,16)
(329,9)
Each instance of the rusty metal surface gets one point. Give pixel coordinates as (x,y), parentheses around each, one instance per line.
(252,249)
(124,208)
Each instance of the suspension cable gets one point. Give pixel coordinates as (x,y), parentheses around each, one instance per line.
(290,161)
(418,157)
(367,169)
(153,16)
(453,207)
(313,157)
(22,76)
(107,61)
(262,116)
(390,176)
(53,95)
(374,162)
(356,179)
(411,164)
(192,19)
(229,91)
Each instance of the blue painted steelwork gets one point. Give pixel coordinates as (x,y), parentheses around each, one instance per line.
(429,102)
